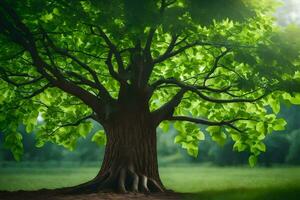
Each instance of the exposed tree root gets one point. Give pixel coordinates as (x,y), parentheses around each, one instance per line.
(121,180)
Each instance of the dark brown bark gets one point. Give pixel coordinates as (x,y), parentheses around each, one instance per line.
(130,160)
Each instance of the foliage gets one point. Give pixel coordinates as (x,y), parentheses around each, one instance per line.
(222,64)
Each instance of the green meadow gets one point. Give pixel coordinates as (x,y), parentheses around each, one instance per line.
(193,181)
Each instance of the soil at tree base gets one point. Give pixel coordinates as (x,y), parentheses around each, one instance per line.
(52,195)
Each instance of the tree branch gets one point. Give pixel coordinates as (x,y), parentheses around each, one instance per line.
(103,92)
(5,77)
(207,122)
(111,70)
(76,123)
(165,4)
(193,44)
(111,46)
(197,90)
(168,54)
(168,108)
(147,49)
(20,34)
(37,92)
(215,66)
(185,85)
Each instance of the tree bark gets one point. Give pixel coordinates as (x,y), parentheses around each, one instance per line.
(130,159)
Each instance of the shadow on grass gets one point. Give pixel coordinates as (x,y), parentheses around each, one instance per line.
(247,194)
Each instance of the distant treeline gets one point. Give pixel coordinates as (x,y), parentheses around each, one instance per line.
(282,148)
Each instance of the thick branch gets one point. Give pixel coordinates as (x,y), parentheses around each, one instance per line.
(147,49)
(111,70)
(168,108)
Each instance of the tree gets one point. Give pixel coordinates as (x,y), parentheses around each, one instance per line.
(135,65)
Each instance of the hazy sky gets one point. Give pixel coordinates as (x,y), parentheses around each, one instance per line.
(290,12)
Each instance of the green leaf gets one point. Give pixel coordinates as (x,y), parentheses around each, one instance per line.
(13,141)
(213,129)
(193,152)
(239,146)
(178,139)
(252,160)
(99,137)
(40,143)
(56,11)
(47,17)
(29,128)
(260,127)
(275,104)
(200,135)
(296,99)
(279,124)
(85,128)
(165,126)
(261,146)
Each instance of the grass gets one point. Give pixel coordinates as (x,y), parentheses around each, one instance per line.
(207,183)
(234,183)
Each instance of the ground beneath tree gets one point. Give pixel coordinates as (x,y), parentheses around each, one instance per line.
(52,195)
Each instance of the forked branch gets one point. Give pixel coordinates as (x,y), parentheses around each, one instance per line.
(111,46)
(168,108)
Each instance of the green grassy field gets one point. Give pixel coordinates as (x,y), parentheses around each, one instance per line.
(207,183)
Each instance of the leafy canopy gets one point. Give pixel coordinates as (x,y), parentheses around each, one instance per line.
(222,64)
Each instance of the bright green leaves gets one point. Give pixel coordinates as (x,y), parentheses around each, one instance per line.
(85,128)
(189,136)
(30,120)
(260,146)
(295,99)
(99,137)
(13,141)
(165,126)
(274,102)
(279,124)
(217,134)
(260,127)
(7,94)
(47,17)
(239,146)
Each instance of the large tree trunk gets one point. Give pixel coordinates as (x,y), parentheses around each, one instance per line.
(130,160)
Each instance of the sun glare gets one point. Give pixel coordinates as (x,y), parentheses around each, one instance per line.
(289,12)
